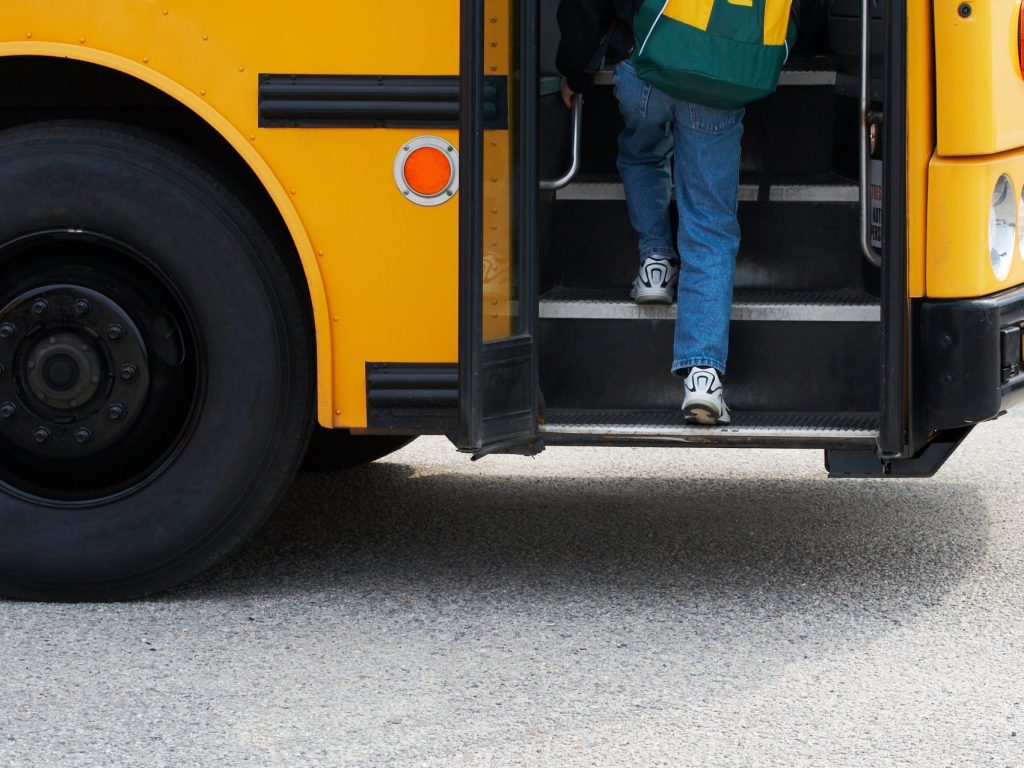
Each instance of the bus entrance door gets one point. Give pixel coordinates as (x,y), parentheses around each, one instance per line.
(498,391)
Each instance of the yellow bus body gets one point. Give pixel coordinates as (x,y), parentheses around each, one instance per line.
(980,104)
(979,117)
(333,187)
(335,190)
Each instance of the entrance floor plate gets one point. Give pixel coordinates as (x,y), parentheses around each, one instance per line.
(792,306)
(750,429)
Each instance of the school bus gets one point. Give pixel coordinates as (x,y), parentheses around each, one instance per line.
(225,228)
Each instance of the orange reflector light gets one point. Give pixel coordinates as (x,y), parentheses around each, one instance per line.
(427,171)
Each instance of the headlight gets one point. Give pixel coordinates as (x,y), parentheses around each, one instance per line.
(1002,227)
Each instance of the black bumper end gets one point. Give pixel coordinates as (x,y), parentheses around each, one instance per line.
(969,358)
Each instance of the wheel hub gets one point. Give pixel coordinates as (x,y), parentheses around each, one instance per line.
(64,370)
(74,373)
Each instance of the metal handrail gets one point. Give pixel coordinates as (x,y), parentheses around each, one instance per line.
(873,256)
(577,133)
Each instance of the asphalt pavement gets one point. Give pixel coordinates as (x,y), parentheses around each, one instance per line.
(589,607)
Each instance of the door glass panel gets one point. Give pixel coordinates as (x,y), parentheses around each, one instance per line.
(501,259)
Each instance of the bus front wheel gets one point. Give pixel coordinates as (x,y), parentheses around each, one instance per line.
(156,365)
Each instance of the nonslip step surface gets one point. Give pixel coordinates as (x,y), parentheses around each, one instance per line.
(748,305)
(787,429)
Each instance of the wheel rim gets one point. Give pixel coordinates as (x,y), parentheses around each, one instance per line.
(100,368)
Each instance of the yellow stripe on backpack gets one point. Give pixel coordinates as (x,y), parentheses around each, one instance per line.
(694,13)
(776,21)
(697,14)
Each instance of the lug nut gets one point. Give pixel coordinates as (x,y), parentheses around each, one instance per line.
(115,332)
(7,410)
(42,434)
(116,412)
(7,330)
(129,372)
(83,436)
(39,307)
(81,307)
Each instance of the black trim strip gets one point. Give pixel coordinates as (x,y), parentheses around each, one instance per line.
(471,152)
(893,436)
(382,101)
(418,398)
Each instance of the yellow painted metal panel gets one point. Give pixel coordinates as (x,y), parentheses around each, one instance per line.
(980,89)
(959,199)
(389,268)
(920,136)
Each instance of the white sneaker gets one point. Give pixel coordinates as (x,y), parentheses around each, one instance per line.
(656,281)
(704,402)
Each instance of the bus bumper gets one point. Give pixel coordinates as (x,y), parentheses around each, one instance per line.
(969,358)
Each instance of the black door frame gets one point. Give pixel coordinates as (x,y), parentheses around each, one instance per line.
(499,400)
(893,440)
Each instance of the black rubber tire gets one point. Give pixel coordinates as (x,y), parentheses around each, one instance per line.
(252,423)
(331,450)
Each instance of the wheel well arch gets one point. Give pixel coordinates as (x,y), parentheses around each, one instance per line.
(59,83)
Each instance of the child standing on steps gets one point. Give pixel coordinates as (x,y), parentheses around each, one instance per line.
(698,269)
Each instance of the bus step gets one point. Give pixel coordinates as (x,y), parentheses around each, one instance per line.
(823,188)
(797,130)
(748,430)
(799,232)
(748,305)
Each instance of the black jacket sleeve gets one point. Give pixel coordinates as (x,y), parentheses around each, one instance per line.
(583,25)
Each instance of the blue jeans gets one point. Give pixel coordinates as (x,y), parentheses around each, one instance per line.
(706,145)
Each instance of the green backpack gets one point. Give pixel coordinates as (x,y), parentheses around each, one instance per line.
(720,53)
